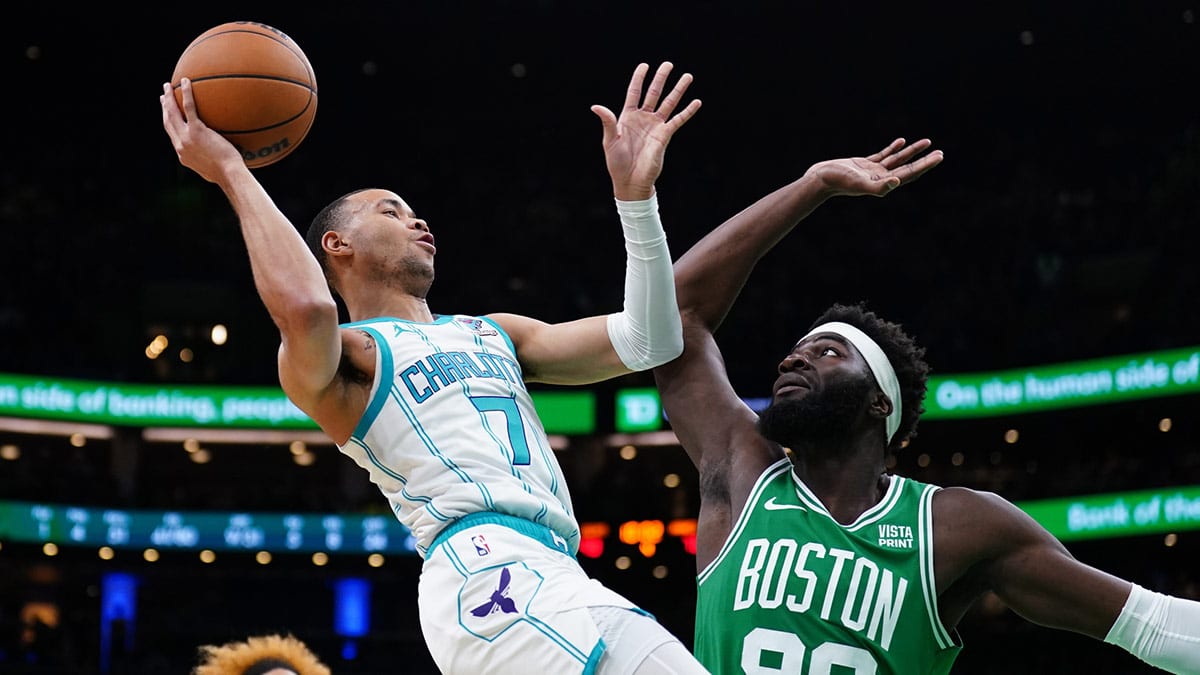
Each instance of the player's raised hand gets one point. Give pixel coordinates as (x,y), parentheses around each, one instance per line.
(199,148)
(880,173)
(636,142)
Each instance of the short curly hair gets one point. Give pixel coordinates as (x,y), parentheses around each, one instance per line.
(906,356)
(257,655)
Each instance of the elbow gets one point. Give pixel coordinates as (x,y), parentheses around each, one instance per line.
(306,314)
(693,320)
(664,353)
(645,347)
(659,355)
(672,350)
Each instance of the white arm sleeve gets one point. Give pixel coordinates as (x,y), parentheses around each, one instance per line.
(648,332)
(1159,629)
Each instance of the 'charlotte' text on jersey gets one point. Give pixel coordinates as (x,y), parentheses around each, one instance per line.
(423,378)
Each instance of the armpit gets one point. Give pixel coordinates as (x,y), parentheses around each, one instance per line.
(358,357)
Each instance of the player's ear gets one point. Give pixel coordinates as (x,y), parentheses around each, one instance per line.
(881,405)
(334,244)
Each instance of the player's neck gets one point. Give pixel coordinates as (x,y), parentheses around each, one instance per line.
(848,479)
(388,302)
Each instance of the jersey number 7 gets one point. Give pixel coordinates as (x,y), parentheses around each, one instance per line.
(512,419)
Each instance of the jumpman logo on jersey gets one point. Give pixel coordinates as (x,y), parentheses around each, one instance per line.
(499,599)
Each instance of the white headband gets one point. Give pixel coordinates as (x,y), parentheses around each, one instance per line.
(877,361)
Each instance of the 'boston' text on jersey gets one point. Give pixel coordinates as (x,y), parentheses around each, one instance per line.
(777,573)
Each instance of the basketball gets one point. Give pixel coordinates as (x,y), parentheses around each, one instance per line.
(253,85)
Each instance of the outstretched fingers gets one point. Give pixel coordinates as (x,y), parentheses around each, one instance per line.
(654,92)
(913,170)
(891,148)
(675,96)
(904,155)
(634,93)
(684,115)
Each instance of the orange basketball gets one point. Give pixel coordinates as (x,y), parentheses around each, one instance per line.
(253,85)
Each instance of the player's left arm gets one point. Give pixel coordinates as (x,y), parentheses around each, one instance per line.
(575,352)
(1032,572)
(648,331)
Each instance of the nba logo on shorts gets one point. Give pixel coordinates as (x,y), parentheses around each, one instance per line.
(481,545)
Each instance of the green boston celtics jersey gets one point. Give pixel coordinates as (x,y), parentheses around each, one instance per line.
(794,591)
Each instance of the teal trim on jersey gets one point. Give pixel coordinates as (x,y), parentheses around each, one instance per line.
(643,612)
(427,503)
(437,319)
(507,339)
(575,652)
(526,527)
(384,366)
(374,460)
(594,658)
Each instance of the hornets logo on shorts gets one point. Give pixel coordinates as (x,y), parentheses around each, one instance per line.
(499,599)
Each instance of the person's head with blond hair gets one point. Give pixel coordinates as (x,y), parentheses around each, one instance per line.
(260,655)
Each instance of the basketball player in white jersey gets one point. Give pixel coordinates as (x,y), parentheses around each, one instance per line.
(434,406)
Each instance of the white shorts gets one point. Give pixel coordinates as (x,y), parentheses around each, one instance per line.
(500,594)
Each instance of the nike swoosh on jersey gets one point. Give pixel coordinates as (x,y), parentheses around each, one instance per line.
(771,505)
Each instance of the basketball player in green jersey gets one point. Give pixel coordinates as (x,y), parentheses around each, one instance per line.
(814,560)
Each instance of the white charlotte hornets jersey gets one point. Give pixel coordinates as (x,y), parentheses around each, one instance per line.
(450,429)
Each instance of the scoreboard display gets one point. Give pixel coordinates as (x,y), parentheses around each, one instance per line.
(199,530)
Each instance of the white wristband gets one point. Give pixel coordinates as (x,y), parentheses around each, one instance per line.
(1161,630)
(648,332)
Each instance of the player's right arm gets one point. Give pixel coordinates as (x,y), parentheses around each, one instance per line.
(701,405)
(986,543)
(288,279)
(714,426)
(709,277)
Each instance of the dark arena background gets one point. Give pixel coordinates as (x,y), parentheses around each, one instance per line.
(156,496)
